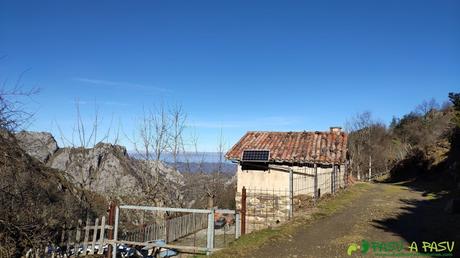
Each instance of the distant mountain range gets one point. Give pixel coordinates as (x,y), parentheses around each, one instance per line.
(195,162)
(205,167)
(187,156)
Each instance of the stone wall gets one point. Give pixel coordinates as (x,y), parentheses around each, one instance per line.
(264,209)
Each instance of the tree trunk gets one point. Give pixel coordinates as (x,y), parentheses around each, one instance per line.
(210,201)
(359,172)
(370,167)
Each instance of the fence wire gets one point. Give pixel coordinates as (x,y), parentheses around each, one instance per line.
(268,207)
(265,208)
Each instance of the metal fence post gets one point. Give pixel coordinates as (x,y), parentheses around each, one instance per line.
(111,223)
(115,232)
(345,174)
(316,183)
(334,179)
(243,211)
(167,228)
(291,192)
(237,225)
(210,237)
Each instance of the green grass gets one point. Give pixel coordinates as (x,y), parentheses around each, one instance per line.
(326,207)
(341,200)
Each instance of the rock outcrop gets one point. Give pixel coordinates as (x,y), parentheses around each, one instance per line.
(107,169)
(40,145)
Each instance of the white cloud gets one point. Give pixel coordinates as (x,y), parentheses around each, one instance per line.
(119,84)
(114,103)
(108,103)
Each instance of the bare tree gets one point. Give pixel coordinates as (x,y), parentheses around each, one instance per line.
(194,171)
(360,128)
(13,114)
(178,119)
(84,137)
(207,184)
(426,107)
(87,134)
(159,134)
(213,186)
(36,202)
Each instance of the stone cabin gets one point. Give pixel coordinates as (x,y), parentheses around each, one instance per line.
(265,160)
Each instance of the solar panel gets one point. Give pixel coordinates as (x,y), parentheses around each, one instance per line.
(256,155)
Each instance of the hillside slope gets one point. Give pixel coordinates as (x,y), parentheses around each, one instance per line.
(37,201)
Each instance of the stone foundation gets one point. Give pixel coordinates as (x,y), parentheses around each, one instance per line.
(265,210)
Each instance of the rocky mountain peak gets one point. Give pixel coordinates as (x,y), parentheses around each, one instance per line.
(106,168)
(40,145)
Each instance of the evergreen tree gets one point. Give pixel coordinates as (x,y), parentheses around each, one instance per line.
(455,99)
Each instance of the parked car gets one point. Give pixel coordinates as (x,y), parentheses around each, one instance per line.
(220,223)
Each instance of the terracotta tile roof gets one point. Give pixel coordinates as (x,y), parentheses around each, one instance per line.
(295,147)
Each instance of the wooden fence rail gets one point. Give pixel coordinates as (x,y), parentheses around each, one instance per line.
(170,229)
(72,244)
(186,225)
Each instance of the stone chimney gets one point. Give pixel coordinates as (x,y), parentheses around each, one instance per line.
(336,129)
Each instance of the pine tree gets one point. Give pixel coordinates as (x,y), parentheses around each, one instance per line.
(455,99)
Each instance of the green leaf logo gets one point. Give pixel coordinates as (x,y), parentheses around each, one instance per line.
(352,248)
(365,246)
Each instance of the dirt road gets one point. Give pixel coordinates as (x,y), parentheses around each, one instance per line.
(384,212)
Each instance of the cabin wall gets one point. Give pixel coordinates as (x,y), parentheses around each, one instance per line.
(268,192)
(277,180)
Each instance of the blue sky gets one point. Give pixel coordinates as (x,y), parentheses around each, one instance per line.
(233,65)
